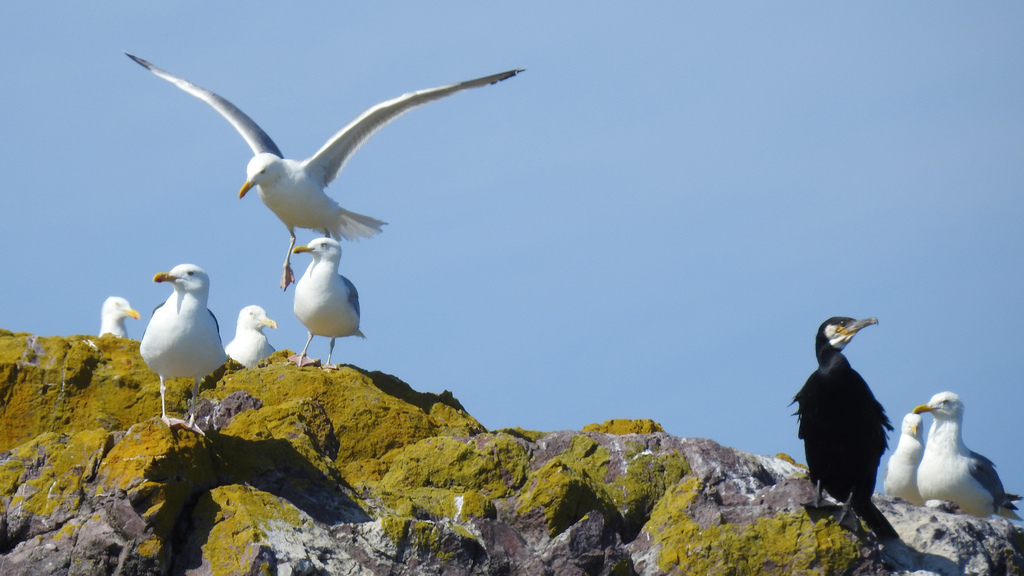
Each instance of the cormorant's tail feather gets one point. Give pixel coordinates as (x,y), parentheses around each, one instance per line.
(352,226)
(875,520)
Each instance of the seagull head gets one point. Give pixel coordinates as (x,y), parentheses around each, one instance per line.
(912,426)
(264,168)
(186,278)
(943,406)
(254,318)
(322,249)
(116,307)
(839,330)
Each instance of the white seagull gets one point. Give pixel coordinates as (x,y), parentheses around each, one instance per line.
(183,338)
(950,471)
(901,470)
(250,344)
(325,301)
(294,189)
(115,310)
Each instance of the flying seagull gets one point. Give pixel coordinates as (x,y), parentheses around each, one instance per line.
(294,189)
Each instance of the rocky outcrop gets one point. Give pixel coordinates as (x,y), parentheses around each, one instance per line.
(303,471)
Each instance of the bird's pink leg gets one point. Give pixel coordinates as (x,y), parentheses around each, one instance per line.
(287,276)
(330,366)
(302,360)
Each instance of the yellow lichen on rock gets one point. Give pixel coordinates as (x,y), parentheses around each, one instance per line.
(570,485)
(787,544)
(160,469)
(494,465)
(50,471)
(444,477)
(55,384)
(292,439)
(528,435)
(368,419)
(236,521)
(622,426)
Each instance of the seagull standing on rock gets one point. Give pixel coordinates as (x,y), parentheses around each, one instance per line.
(951,471)
(183,338)
(250,344)
(901,470)
(325,301)
(115,310)
(294,189)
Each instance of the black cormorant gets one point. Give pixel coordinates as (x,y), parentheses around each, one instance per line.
(843,427)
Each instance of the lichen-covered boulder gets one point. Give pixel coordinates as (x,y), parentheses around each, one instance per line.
(302,471)
(286,449)
(43,482)
(372,413)
(67,385)
(453,477)
(237,529)
(625,426)
(160,471)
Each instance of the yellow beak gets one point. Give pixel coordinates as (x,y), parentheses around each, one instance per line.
(923,408)
(164,277)
(300,249)
(132,312)
(245,188)
(270,323)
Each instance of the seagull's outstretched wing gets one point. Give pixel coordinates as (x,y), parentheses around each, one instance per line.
(325,165)
(254,136)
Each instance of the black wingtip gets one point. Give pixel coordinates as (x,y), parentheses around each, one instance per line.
(139,61)
(509,74)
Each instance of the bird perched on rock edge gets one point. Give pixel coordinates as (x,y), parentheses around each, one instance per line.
(183,337)
(843,427)
(115,310)
(951,471)
(250,344)
(325,301)
(900,477)
(294,189)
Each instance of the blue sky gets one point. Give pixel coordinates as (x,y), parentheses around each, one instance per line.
(651,221)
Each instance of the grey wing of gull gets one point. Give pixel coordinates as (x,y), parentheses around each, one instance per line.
(353,295)
(331,158)
(254,136)
(984,471)
(151,316)
(216,325)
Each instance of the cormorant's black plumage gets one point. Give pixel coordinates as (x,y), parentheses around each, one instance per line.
(842,425)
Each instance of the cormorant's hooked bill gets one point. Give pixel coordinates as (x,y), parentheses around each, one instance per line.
(840,330)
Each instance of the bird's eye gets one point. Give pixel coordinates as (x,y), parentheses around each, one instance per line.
(191,273)
(842,323)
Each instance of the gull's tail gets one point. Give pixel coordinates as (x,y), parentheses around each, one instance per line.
(1006,510)
(352,226)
